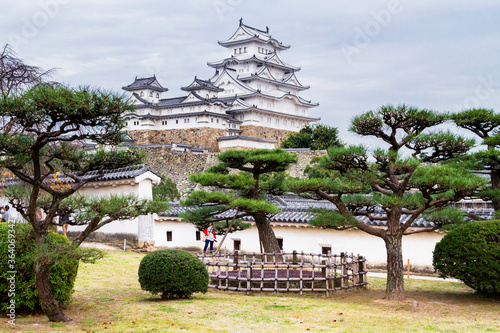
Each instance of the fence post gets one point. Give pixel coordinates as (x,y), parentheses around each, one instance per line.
(343,280)
(361,270)
(235,260)
(355,271)
(324,275)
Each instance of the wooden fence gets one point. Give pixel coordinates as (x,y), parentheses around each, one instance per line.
(285,272)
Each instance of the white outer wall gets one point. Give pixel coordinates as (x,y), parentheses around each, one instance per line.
(141,187)
(418,248)
(228,144)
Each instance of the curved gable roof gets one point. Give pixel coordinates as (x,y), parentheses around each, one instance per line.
(145,83)
(246,33)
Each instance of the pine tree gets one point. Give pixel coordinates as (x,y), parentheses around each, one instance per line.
(396,185)
(245,177)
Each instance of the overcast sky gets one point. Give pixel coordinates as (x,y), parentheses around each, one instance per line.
(355,55)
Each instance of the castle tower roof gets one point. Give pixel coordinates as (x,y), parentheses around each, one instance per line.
(246,33)
(201,84)
(145,83)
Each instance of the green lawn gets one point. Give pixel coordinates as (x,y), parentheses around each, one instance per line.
(108,299)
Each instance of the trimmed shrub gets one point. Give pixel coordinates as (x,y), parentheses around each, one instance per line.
(173,273)
(471,253)
(62,273)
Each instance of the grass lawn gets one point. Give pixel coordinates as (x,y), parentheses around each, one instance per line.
(108,299)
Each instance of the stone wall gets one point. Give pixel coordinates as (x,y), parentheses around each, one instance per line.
(178,167)
(205,137)
(264,133)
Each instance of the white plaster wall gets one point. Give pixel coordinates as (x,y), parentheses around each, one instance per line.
(183,234)
(115,227)
(418,248)
(227,144)
(140,187)
(122,189)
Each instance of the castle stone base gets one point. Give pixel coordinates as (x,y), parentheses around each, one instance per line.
(205,138)
(264,133)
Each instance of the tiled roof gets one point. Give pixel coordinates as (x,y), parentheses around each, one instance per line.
(121,173)
(113,174)
(202,84)
(145,83)
(296,210)
(255,34)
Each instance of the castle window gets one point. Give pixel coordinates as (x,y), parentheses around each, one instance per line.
(211,120)
(326,250)
(198,235)
(169,236)
(126,123)
(240,50)
(234,51)
(157,95)
(280,243)
(151,94)
(245,49)
(176,121)
(237,244)
(142,93)
(217,121)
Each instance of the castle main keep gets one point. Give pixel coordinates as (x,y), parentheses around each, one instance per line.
(252,100)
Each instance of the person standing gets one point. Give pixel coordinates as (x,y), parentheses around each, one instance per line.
(209,238)
(64,220)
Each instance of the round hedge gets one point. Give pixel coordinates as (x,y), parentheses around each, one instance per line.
(172,273)
(471,253)
(62,274)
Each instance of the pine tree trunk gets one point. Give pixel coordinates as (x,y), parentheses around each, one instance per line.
(49,304)
(495,184)
(395,282)
(266,235)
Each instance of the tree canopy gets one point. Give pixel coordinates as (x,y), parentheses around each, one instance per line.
(246,177)
(316,137)
(485,123)
(15,75)
(166,190)
(42,143)
(396,184)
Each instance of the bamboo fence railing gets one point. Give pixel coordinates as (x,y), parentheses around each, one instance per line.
(285,272)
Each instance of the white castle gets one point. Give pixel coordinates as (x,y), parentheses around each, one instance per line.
(252,101)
